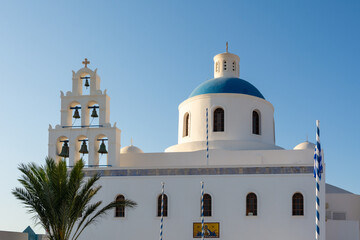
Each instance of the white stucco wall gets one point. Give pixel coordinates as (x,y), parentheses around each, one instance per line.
(237,133)
(343,203)
(218,158)
(274,220)
(6,235)
(342,230)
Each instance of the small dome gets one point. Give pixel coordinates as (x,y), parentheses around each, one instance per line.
(131,149)
(227,85)
(305,145)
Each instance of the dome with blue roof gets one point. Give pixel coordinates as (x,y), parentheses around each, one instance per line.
(227,85)
(232,110)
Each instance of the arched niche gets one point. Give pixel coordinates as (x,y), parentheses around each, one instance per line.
(77,154)
(79,82)
(59,145)
(256,122)
(101,159)
(85,82)
(70,113)
(91,105)
(186,125)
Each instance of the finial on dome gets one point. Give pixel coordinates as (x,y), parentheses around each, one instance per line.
(226,64)
(131,142)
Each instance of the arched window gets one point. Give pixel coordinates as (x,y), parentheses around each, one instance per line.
(207,205)
(234,66)
(219,120)
(224,65)
(251,204)
(186,124)
(298,204)
(120,211)
(165,206)
(256,122)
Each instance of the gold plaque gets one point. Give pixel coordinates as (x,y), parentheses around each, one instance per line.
(211,230)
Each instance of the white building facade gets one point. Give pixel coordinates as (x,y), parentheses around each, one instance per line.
(254,189)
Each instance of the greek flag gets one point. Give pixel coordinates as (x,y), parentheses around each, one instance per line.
(317,155)
(162,211)
(317,174)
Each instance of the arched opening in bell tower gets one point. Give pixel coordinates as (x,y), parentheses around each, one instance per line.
(101,150)
(93,113)
(62,149)
(74,114)
(81,149)
(85,84)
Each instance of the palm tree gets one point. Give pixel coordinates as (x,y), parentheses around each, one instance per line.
(61,199)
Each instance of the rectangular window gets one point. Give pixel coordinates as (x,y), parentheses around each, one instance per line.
(339,216)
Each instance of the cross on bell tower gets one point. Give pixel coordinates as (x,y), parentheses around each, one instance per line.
(86,62)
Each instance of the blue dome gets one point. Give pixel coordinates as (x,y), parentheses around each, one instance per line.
(226,85)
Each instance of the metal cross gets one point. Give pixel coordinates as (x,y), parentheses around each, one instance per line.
(86,62)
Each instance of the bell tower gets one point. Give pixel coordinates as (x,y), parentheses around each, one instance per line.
(85,129)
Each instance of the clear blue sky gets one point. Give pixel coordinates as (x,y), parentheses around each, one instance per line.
(302,55)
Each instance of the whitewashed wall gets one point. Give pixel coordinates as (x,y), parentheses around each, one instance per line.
(6,235)
(342,230)
(237,133)
(349,204)
(274,220)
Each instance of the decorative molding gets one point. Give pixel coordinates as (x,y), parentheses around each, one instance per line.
(200,171)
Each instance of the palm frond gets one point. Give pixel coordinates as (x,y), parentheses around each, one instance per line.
(59,198)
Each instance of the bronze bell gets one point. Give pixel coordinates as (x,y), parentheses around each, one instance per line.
(102,148)
(83,148)
(76,113)
(87,83)
(65,150)
(94,113)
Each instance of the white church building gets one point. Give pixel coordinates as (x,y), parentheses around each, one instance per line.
(254,189)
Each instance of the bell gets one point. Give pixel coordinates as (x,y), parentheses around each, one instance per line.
(94,113)
(87,83)
(76,113)
(102,148)
(65,150)
(83,148)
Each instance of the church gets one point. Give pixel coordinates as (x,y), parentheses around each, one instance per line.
(226,160)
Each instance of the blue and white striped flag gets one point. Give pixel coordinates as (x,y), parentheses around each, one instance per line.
(162,211)
(207,136)
(318,167)
(202,211)
(317,174)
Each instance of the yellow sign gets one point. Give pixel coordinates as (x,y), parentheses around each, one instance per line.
(211,230)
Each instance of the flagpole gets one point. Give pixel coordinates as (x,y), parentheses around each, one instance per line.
(207,136)
(202,183)
(317,219)
(202,211)
(317,174)
(162,210)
